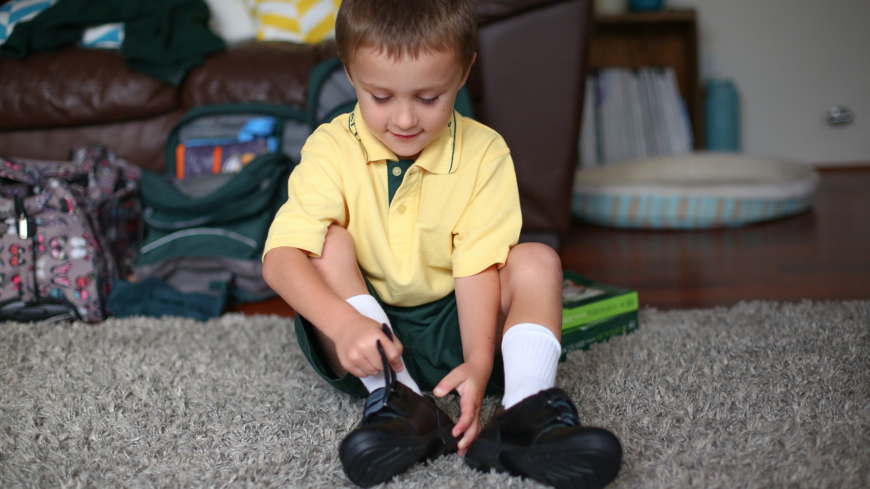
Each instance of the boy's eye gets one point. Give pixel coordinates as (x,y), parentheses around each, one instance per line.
(380,100)
(429,100)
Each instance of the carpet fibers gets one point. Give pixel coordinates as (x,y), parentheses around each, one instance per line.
(757,395)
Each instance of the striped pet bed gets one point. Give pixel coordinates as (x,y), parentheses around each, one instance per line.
(698,191)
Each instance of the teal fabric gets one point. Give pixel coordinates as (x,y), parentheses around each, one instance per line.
(162,38)
(394,181)
(155,298)
(237,199)
(219,218)
(229,222)
(431,339)
(462,104)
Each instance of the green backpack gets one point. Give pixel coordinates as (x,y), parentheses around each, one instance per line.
(218,221)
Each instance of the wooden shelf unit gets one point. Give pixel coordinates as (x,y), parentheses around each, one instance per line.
(646,39)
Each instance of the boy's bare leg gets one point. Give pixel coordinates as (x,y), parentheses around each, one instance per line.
(530,320)
(561,452)
(338,267)
(531,289)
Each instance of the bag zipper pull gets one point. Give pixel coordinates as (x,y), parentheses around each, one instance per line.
(23,224)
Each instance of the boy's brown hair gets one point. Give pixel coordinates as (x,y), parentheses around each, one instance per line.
(407,27)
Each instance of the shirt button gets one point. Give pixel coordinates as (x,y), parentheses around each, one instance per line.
(397,171)
(401,209)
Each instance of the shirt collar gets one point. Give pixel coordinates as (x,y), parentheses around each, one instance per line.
(440,156)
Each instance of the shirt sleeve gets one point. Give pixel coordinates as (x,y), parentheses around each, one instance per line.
(491,223)
(315,201)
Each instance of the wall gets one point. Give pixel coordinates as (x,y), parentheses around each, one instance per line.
(792,60)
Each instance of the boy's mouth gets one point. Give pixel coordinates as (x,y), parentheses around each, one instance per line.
(405,137)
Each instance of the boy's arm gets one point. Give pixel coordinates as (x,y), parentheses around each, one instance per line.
(289,272)
(477,303)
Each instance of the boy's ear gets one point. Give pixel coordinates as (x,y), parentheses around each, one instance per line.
(465,78)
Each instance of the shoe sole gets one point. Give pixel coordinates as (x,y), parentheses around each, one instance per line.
(590,460)
(370,457)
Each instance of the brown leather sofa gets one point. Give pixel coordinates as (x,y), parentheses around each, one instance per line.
(527,84)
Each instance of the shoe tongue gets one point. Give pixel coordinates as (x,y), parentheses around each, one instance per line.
(375,401)
(385,402)
(526,422)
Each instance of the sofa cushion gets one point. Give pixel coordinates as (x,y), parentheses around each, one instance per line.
(271,72)
(77,86)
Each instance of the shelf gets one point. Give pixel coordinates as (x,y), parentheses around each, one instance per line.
(646,39)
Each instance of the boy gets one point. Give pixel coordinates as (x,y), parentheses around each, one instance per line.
(398,250)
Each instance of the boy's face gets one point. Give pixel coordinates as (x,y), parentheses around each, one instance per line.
(406,102)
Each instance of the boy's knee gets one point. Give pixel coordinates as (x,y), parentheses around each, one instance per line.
(529,261)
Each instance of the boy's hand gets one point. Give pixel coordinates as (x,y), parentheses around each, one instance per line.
(357,348)
(469,380)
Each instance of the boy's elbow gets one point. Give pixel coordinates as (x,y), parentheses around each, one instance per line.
(278,262)
(271,269)
(267,270)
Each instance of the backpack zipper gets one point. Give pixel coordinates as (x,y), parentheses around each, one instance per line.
(198,232)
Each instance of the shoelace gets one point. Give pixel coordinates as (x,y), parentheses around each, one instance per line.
(389,374)
(379,401)
(564,411)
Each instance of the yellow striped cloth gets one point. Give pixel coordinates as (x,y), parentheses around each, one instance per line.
(303,21)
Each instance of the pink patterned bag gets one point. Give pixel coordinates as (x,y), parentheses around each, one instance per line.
(67,228)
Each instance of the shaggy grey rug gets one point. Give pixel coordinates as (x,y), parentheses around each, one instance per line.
(757,395)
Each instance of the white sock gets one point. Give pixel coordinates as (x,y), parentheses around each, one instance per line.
(531,356)
(368,306)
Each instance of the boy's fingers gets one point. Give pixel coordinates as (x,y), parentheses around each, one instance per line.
(465,420)
(368,368)
(470,413)
(358,364)
(393,353)
(396,361)
(398,344)
(448,383)
(470,434)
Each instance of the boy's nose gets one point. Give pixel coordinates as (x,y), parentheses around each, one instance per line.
(404,117)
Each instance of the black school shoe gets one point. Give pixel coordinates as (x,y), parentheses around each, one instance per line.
(399,428)
(541,438)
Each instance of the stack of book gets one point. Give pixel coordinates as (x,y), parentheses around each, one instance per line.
(593,312)
(631,114)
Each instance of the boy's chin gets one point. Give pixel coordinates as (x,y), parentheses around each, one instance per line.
(406,152)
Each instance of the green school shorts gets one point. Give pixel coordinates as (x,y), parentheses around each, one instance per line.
(431,340)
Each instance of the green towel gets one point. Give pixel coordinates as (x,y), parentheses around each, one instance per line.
(162,38)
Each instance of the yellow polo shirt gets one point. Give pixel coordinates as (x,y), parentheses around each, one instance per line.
(456,210)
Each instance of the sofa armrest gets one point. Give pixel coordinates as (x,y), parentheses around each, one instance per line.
(529,83)
(491,10)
